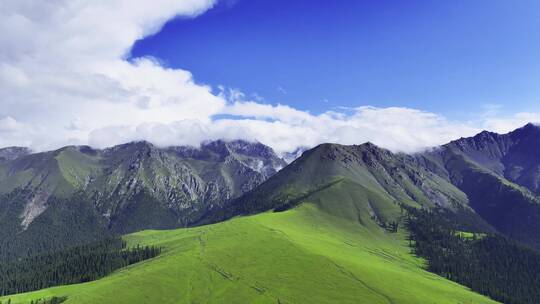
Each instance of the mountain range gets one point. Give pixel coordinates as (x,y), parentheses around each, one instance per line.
(336,212)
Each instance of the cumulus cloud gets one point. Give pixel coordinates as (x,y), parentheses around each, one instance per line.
(399,129)
(63,71)
(64,79)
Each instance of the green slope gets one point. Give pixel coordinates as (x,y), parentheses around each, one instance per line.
(303,255)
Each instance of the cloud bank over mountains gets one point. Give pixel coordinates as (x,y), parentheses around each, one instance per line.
(65,79)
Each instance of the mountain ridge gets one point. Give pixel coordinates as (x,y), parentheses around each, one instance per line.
(138,185)
(467,176)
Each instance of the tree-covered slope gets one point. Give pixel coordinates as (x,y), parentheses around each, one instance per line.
(302,255)
(488,263)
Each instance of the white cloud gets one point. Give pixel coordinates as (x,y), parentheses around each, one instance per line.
(63,72)
(8,124)
(266,111)
(64,80)
(15,132)
(399,129)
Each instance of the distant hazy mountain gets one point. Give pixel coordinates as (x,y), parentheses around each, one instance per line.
(125,188)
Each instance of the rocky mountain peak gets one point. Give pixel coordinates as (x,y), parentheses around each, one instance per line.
(373,148)
(253,149)
(366,153)
(139,145)
(531,126)
(527,131)
(289,157)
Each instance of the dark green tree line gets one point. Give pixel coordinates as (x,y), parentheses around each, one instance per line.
(490,264)
(72,265)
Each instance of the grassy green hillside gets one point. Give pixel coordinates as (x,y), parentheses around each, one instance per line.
(303,255)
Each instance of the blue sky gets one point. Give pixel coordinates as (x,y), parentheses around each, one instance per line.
(456,58)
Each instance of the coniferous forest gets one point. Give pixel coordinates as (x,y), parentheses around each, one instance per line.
(488,263)
(72,265)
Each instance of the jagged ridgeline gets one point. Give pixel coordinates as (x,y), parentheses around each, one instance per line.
(78,194)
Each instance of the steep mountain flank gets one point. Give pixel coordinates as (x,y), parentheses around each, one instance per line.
(499,174)
(513,156)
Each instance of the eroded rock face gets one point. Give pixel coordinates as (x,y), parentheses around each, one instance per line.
(33,208)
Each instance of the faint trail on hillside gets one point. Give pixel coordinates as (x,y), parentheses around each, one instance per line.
(226,275)
(352,276)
